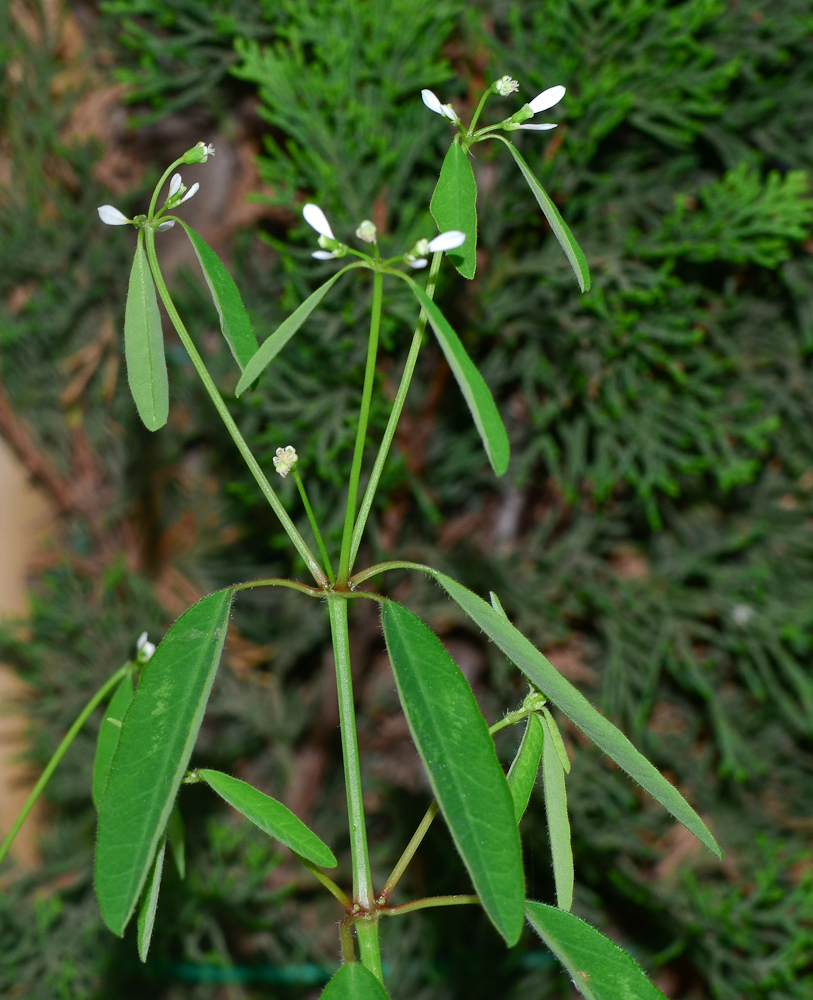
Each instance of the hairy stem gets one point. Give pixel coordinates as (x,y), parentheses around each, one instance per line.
(366,931)
(53,763)
(361,432)
(395,414)
(254,466)
(409,853)
(424,904)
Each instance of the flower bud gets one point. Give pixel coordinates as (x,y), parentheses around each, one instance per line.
(505,86)
(285,459)
(199,153)
(367,231)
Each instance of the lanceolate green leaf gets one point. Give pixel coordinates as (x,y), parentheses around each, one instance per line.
(234,320)
(109,733)
(454,206)
(567,241)
(558,742)
(553,780)
(144,344)
(271,816)
(157,738)
(544,676)
(525,767)
(149,903)
(599,969)
(354,982)
(271,347)
(454,743)
(472,384)
(176,838)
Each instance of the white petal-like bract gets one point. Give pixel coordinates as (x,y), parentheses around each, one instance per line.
(190,193)
(432,101)
(111,216)
(547,99)
(447,241)
(164,226)
(418,264)
(315,218)
(538,128)
(324,254)
(174,184)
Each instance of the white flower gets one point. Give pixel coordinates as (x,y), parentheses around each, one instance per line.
(542,102)
(285,459)
(432,101)
(144,648)
(367,231)
(111,216)
(505,86)
(164,226)
(316,219)
(178,193)
(174,184)
(742,614)
(450,240)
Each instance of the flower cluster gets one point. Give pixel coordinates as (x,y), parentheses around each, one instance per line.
(505,86)
(285,459)
(368,233)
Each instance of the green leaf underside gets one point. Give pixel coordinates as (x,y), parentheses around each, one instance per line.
(553,781)
(270,816)
(234,320)
(108,740)
(144,345)
(556,736)
(454,743)
(567,241)
(525,767)
(478,396)
(271,347)
(600,970)
(149,903)
(354,982)
(544,676)
(176,838)
(156,742)
(454,206)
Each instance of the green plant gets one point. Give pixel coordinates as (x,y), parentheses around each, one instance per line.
(147,737)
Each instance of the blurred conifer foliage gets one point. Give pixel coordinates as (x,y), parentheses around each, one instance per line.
(653,533)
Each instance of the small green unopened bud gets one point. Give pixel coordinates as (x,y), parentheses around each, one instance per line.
(328,243)
(199,153)
(367,231)
(139,221)
(505,86)
(421,248)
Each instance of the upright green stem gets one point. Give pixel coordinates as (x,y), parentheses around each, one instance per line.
(53,763)
(361,433)
(395,414)
(268,492)
(366,930)
(486,94)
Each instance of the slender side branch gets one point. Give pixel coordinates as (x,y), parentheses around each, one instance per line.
(409,853)
(326,881)
(424,904)
(53,763)
(268,492)
(371,571)
(361,432)
(317,534)
(395,414)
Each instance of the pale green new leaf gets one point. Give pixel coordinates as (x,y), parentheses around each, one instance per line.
(109,732)
(567,241)
(525,766)
(271,347)
(149,903)
(478,396)
(544,676)
(453,741)
(454,206)
(354,982)
(157,737)
(553,781)
(270,816)
(234,320)
(144,345)
(599,969)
